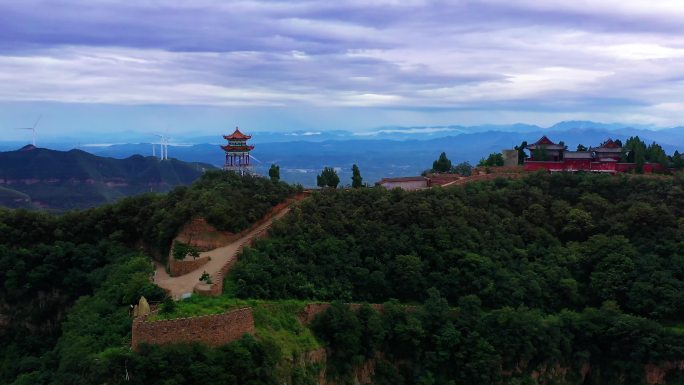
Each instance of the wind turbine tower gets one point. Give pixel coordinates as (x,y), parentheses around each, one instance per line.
(163,147)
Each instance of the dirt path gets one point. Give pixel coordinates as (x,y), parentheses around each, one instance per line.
(219,257)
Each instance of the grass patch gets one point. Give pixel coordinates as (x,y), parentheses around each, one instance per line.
(277,322)
(198,305)
(676,328)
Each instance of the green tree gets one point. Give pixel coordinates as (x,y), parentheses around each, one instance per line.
(540,154)
(677,160)
(274,172)
(463,169)
(579,224)
(340,327)
(328,178)
(408,276)
(442,164)
(521,152)
(494,159)
(634,151)
(357,180)
(581,147)
(656,154)
(181,250)
(168,306)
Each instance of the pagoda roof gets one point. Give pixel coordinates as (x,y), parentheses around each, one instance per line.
(610,144)
(237,135)
(545,142)
(237,148)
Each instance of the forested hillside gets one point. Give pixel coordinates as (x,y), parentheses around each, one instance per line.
(547,241)
(550,279)
(99,260)
(61,180)
(558,270)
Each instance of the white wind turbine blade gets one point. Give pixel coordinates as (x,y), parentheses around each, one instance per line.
(37,120)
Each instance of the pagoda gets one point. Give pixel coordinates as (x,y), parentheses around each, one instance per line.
(237,152)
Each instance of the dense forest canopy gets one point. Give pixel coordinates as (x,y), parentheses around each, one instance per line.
(48,262)
(511,277)
(547,242)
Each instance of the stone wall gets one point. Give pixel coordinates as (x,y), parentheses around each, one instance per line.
(185,266)
(213,330)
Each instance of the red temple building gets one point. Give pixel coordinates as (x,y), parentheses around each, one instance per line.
(237,152)
(547,155)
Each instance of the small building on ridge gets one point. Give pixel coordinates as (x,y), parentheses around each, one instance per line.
(408,183)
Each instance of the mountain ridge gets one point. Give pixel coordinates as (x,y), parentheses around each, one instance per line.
(33,177)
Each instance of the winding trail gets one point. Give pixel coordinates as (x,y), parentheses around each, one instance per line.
(177,286)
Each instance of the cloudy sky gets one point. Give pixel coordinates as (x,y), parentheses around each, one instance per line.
(199,66)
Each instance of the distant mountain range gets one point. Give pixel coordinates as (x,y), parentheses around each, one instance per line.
(302,159)
(59,180)
(388,151)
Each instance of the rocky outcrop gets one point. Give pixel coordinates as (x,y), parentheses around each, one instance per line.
(657,374)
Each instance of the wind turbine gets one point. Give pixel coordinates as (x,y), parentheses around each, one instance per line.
(163,147)
(33,129)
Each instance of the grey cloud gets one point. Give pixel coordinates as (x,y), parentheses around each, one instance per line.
(491,55)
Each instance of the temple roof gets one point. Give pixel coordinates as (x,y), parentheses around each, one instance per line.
(545,142)
(609,146)
(237,135)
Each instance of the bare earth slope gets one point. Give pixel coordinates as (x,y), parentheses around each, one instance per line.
(178,286)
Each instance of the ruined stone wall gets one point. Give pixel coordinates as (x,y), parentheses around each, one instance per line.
(177,267)
(213,330)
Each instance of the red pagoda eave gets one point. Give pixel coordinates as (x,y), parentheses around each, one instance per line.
(237,135)
(237,148)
